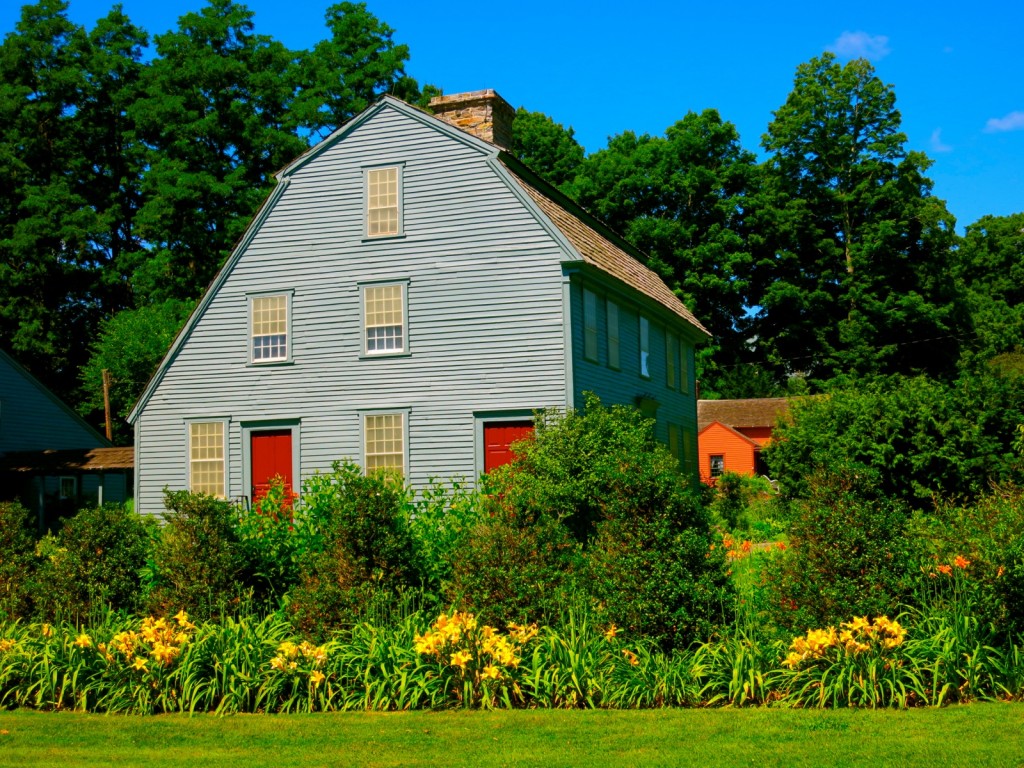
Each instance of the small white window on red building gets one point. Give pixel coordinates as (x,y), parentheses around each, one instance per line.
(717,465)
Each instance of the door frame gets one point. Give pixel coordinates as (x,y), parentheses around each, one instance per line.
(482,418)
(265,425)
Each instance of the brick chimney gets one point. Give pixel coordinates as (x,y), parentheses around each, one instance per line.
(482,113)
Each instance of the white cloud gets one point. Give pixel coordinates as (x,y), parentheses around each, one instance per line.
(1012,122)
(937,143)
(861,45)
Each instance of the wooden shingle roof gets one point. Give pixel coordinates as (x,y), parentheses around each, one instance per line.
(751,412)
(68,461)
(601,252)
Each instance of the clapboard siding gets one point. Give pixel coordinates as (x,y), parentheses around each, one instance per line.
(625,385)
(32,419)
(485,315)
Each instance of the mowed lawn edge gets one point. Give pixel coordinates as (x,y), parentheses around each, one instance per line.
(976,735)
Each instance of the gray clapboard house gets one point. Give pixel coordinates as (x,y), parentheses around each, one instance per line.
(407,297)
(50,458)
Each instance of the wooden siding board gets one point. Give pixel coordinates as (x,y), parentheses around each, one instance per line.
(485,315)
(32,418)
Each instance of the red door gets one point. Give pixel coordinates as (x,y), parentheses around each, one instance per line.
(498,439)
(271,453)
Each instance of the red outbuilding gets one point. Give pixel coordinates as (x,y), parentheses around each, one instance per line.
(733,432)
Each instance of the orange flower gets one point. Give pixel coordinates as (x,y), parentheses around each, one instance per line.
(945,569)
(781,546)
(961,562)
(1000,571)
(746,545)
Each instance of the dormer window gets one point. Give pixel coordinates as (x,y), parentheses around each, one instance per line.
(383,208)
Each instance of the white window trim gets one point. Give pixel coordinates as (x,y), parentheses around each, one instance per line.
(400,175)
(614,334)
(406,345)
(287,293)
(591,324)
(227,451)
(645,346)
(404,413)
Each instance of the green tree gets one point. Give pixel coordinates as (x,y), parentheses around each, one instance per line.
(548,148)
(130,345)
(857,276)
(215,119)
(345,73)
(990,264)
(684,199)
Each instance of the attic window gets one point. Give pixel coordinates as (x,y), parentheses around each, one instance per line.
(382,206)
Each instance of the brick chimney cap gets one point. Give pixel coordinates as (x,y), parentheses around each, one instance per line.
(488,94)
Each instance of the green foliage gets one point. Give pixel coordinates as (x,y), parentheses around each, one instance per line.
(855,278)
(549,149)
(17,540)
(593,505)
(733,498)
(850,554)
(198,562)
(93,563)
(921,438)
(684,200)
(368,557)
(131,345)
(440,517)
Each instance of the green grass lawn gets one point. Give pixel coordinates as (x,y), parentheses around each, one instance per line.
(976,735)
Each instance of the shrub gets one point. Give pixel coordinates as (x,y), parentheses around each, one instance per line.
(440,518)
(515,567)
(920,438)
(17,540)
(849,554)
(597,477)
(93,562)
(368,558)
(198,562)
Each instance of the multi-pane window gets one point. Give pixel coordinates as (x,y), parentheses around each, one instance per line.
(384,318)
(613,335)
(717,465)
(384,442)
(645,347)
(69,487)
(671,351)
(206,457)
(269,328)
(589,325)
(382,202)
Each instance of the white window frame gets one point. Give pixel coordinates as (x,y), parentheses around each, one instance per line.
(224,454)
(590,325)
(614,338)
(365,416)
(711,465)
(645,347)
(363,329)
(368,171)
(251,299)
(671,355)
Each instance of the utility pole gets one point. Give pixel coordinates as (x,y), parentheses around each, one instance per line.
(106,403)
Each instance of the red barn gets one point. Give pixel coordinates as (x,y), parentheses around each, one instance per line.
(731,434)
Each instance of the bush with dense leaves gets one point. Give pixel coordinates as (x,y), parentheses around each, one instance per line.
(198,563)
(850,554)
(17,540)
(367,559)
(597,480)
(92,563)
(921,438)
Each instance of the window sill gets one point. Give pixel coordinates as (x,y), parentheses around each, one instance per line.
(383,238)
(270,364)
(383,355)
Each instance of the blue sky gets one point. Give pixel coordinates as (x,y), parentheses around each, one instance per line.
(603,67)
